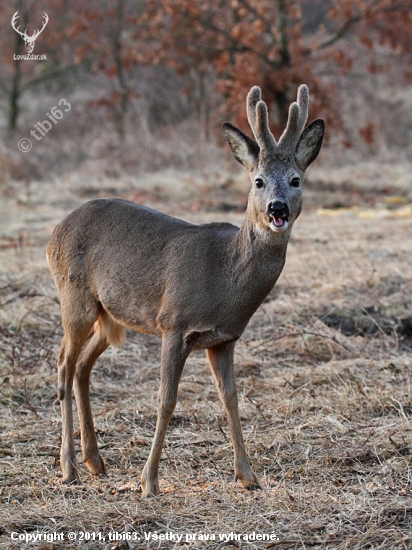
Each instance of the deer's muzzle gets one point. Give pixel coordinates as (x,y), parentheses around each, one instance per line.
(278,212)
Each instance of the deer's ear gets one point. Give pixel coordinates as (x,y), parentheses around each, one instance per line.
(309,143)
(245,149)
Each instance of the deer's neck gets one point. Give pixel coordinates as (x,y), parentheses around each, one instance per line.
(262,242)
(260,257)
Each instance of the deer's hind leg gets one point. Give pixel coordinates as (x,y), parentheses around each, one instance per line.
(104,332)
(77,323)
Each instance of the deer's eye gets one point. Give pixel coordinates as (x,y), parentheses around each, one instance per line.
(295,182)
(259,183)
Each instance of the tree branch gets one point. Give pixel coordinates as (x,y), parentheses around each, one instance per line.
(48,76)
(240,46)
(349,23)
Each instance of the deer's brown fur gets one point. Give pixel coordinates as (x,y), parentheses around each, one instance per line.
(119,265)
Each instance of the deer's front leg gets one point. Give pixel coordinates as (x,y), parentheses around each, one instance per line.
(171,366)
(221,362)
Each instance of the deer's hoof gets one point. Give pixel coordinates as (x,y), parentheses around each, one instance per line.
(150,484)
(248,479)
(74,481)
(254,487)
(95,465)
(150,492)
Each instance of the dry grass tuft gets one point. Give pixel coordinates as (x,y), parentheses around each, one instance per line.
(324,383)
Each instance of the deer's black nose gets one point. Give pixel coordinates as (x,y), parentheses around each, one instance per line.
(278,209)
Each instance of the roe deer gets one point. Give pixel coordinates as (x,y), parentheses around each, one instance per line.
(119,265)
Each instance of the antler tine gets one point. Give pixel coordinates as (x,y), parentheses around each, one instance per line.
(253,97)
(263,134)
(288,137)
(298,114)
(303,102)
(15,17)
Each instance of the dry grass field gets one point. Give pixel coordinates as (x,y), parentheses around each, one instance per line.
(323,371)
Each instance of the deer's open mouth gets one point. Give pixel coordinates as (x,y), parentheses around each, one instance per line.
(278,223)
(278,212)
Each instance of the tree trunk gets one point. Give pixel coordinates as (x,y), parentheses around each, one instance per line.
(280,97)
(117,53)
(14,107)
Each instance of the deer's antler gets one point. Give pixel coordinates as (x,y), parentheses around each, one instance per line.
(253,97)
(13,24)
(257,115)
(36,33)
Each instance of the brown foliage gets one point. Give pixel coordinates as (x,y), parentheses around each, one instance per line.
(225,47)
(248,42)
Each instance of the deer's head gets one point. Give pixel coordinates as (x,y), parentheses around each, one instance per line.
(276,168)
(29,41)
